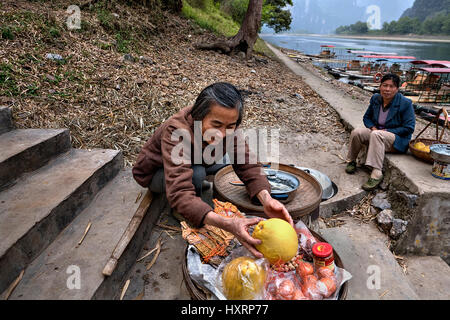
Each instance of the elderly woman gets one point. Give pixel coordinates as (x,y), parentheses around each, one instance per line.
(389,123)
(216,114)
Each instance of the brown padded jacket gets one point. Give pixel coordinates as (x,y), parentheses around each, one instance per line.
(157,153)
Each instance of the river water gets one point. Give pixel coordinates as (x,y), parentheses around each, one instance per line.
(311,45)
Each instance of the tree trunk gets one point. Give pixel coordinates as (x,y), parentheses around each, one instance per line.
(246,37)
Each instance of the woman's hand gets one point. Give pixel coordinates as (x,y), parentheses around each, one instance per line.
(274,208)
(239,228)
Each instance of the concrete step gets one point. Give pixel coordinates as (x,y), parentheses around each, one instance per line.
(109,213)
(364,252)
(6,122)
(430,277)
(25,150)
(41,204)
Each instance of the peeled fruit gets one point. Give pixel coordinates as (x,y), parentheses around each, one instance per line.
(422,147)
(279,242)
(242,279)
(419,145)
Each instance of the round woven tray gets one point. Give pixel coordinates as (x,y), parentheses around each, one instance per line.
(198,292)
(426,156)
(307,197)
(422,155)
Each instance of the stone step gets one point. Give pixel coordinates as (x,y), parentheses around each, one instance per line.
(430,277)
(25,150)
(40,205)
(109,214)
(376,275)
(6,122)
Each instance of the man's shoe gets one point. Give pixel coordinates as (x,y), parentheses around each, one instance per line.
(372,184)
(351,167)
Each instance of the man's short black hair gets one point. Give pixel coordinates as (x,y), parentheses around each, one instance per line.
(391,76)
(221,93)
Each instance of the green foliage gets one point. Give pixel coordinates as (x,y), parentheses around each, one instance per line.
(356,28)
(275,17)
(32,89)
(273,14)
(211,18)
(439,24)
(7,33)
(8,86)
(201,4)
(237,9)
(13,25)
(123,42)
(404,25)
(106,19)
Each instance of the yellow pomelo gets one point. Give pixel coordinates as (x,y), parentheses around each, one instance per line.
(279,242)
(419,145)
(242,279)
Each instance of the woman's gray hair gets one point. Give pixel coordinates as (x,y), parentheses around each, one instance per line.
(221,93)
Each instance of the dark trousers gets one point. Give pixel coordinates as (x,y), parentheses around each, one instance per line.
(158,184)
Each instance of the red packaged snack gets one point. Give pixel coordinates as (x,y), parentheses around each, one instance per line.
(304,269)
(298,295)
(310,278)
(305,237)
(326,286)
(325,272)
(309,288)
(286,290)
(282,286)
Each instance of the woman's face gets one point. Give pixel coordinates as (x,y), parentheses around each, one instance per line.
(388,90)
(217,122)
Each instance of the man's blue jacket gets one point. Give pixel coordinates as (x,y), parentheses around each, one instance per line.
(401,120)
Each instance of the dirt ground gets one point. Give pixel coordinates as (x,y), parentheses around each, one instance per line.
(111,99)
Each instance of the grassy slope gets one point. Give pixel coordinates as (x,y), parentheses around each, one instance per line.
(213,19)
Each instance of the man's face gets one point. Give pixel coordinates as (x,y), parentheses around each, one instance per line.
(217,122)
(388,90)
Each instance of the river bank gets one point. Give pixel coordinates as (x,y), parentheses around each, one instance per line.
(356,93)
(411,38)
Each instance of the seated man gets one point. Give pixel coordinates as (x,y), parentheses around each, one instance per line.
(390,122)
(216,114)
